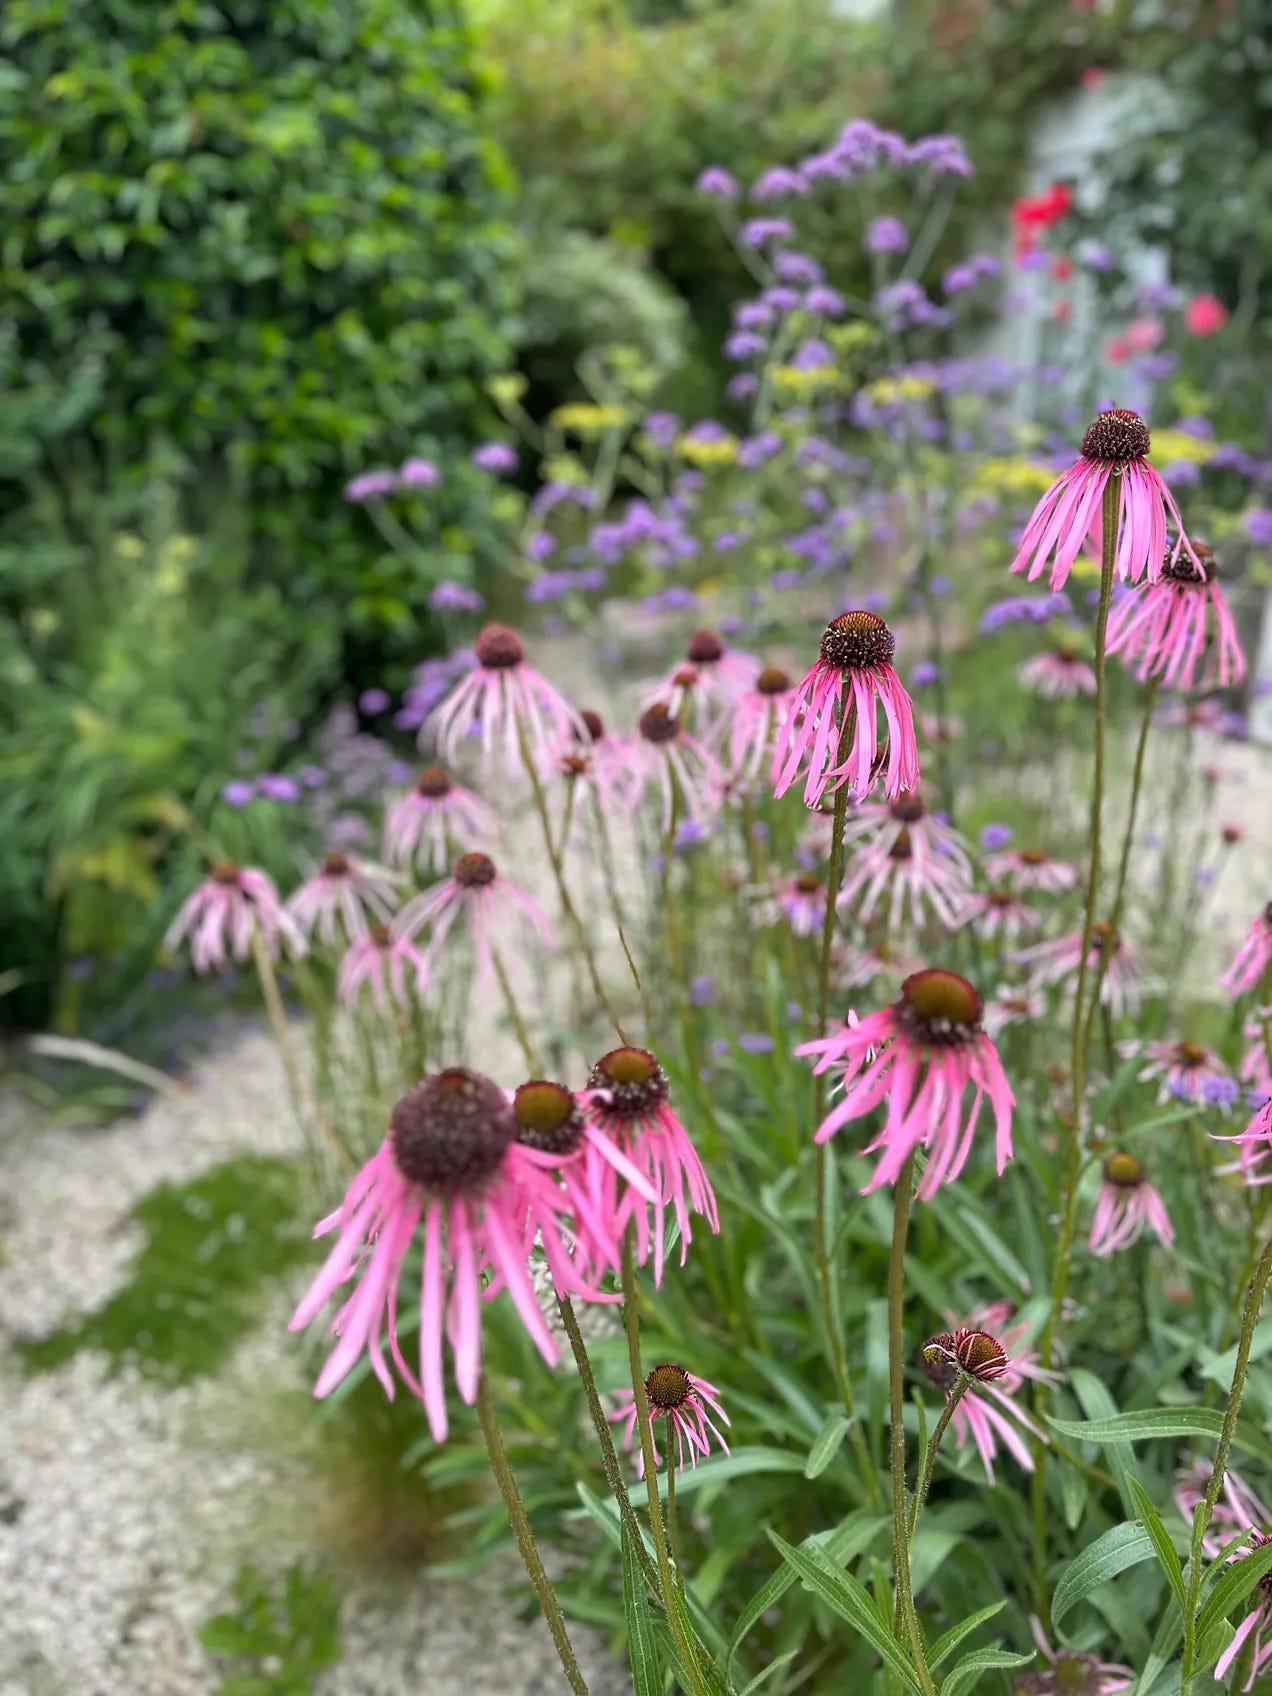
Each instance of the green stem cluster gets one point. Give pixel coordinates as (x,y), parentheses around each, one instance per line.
(906,1614)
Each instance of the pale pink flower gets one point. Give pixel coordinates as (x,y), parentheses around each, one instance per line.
(628,1099)
(921,1056)
(711,677)
(387,965)
(882,822)
(1116,445)
(436,820)
(220,917)
(857,968)
(801,900)
(987,1414)
(451,1163)
(551,1120)
(1254,1149)
(896,882)
(1057,675)
(1252,958)
(1012,1007)
(1071,1671)
(853,674)
(1162,629)
(1125,978)
(1185,1068)
(1030,868)
(485,900)
(1125,1208)
(997,913)
(756,717)
(1237,1509)
(596,759)
(502,702)
(666,758)
(687,1403)
(344,892)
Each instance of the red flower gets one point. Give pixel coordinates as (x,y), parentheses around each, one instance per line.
(1205,315)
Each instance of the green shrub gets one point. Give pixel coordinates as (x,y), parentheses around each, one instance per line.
(279,224)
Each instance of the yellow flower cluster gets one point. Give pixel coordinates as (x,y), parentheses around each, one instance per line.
(586,418)
(1170,447)
(804,379)
(1011,479)
(890,389)
(723,451)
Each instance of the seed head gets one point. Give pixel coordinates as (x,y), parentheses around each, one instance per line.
(593,723)
(976,1353)
(908,808)
(658,724)
(940,1007)
(772,681)
(433,782)
(1116,438)
(667,1387)
(498,648)
(902,845)
(451,1132)
(474,871)
(548,1117)
(633,1079)
(705,648)
(857,640)
(336,865)
(226,872)
(1123,1170)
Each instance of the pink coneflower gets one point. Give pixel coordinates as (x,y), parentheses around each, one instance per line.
(756,718)
(921,1056)
(678,692)
(987,1413)
(711,674)
(628,1099)
(1125,977)
(1164,627)
(801,900)
(676,764)
(1012,1007)
(1031,868)
(996,913)
(1185,1069)
(895,880)
(1254,1149)
(687,1403)
(486,900)
(1252,958)
(1116,445)
(853,674)
(596,759)
(386,964)
(857,968)
(1238,1509)
(930,838)
(434,821)
(501,701)
(1057,675)
(451,1161)
(220,917)
(1125,1208)
(343,892)
(1071,1673)
(551,1121)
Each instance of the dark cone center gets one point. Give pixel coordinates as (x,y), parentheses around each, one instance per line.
(658,724)
(498,648)
(902,846)
(1033,857)
(433,782)
(857,640)
(772,681)
(548,1117)
(1190,1054)
(226,872)
(705,648)
(336,865)
(908,808)
(941,1007)
(808,883)
(474,871)
(452,1131)
(1123,1170)
(634,1079)
(593,723)
(667,1387)
(1116,438)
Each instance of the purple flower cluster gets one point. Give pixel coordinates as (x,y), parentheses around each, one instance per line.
(904,304)
(1026,609)
(379,484)
(431,681)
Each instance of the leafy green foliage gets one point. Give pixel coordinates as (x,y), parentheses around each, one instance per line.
(278,226)
(211,1248)
(279,1642)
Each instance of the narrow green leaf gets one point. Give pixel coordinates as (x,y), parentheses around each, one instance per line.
(827,1445)
(948,1641)
(1122,1547)
(850,1601)
(969,1669)
(773,1666)
(1234,1586)
(642,1649)
(740,1464)
(842,1544)
(1148,1423)
(1151,1520)
(1098,1404)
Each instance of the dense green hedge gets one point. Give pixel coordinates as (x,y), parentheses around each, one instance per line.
(278,224)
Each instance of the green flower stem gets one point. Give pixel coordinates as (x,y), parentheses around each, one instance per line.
(921,1489)
(514,1015)
(896,1413)
(673,1537)
(526,1545)
(616,908)
(567,904)
(302,1093)
(1073,1130)
(685,1646)
(1201,1517)
(600,1425)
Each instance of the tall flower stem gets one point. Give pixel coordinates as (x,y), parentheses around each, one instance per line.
(563,892)
(526,1545)
(600,1425)
(616,908)
(821,1154)
(1073,1130)
(666,1583)
(514,1013)
(1204,1509)
(924,1483)
(673,1537)
(299,1084)
(896,1416)
(1124,863)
